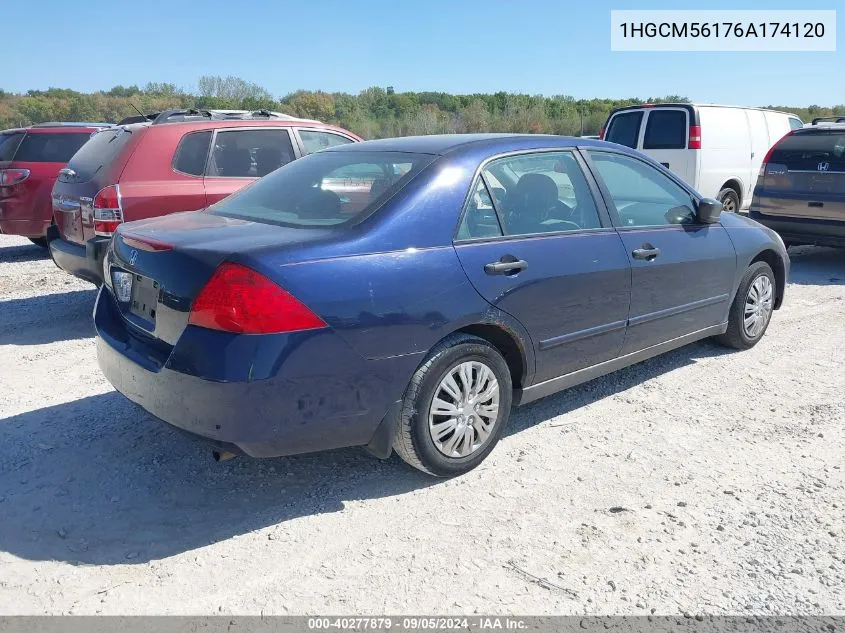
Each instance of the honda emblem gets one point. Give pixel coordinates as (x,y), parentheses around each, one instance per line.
(823,166)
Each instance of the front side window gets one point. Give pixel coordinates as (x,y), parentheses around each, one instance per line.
(666,129)
(325,189)
(624,128)
(545,192)
(315,140)
(642,195)
(249,153)
(50,148)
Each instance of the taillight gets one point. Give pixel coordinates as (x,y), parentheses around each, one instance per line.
(768,155)
(108,211)
(238,299)
(601,133)
(694,137)
(9,177)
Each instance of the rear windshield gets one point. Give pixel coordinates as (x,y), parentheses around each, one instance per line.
(624,128)
(324,189)
(8,144)
(98,152)
(815,152)
(44,147)
(666,129)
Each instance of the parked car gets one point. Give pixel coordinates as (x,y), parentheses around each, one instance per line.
(717,150)
(801,189)
(30,160)
(178,160)
(473,272)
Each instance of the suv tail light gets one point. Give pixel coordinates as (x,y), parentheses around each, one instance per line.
(694,137)
(601,133)
(9,177)
(768,155)
(108,210)
(240,300)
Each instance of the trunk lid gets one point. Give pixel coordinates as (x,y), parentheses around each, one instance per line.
(96,165)
(171,258)
(805,176)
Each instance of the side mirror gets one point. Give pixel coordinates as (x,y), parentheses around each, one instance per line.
(708,210)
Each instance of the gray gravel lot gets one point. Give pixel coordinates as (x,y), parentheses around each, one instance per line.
(704,481)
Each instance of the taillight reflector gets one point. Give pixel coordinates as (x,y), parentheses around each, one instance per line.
(694,137)
(145,243)
(240,300)
(108,210)
(9,177)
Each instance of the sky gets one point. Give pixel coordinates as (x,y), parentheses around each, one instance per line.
(544,47)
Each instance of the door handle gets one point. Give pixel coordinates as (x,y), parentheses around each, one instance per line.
(646,252)
(505,267)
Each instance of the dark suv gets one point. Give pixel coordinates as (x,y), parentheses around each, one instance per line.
(800,192)
(178,160)
(30,160)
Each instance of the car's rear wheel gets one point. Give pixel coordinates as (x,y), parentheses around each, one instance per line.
(751,310)
(39,241)
(455,408)
(729,199)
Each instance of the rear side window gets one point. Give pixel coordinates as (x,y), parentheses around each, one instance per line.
(249,153)
(624,128)
(99,152)
(192,153)
(812,152)
(666,129)
(50,148)
(314,141)
(795,124)
(8,144)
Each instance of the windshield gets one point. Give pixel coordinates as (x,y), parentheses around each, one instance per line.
(324,189)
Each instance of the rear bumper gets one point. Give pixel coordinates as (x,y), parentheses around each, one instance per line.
(262,395)
(83,261)
(803,231)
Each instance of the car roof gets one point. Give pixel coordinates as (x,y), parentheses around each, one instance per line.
(72,126)
(441,144)
(235,123)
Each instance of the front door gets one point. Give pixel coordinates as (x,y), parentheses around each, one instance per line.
(547,256)
(682,271)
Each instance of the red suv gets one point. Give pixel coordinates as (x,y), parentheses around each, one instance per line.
(30,160)
(178,160)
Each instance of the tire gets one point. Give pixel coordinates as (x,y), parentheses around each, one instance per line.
(729,199)
(39,241)
(738,335)
(415,442)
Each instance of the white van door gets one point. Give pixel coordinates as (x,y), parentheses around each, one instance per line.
(665,140)
(760,144)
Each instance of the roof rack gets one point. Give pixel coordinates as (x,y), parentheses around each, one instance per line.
(839,118)
(195,114)
(72,124)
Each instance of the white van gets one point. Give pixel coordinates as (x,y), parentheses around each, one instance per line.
(716,149)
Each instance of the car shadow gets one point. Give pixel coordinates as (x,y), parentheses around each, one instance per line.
(23,253)
(606,386)
(99,481)
(817,266)
(61,316)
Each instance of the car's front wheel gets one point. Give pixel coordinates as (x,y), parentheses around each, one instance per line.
(751,309)
(455,408)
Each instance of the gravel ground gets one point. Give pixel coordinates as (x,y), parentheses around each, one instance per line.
(703,481)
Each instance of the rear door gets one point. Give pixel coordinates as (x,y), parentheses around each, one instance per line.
(805,176)
(241,155)
(624,128)
(547,255)
(758,130)
(665,140)
(682,271)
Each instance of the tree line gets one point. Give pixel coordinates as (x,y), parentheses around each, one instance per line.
(373,113)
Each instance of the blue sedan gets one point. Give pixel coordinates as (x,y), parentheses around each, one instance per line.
(404,294)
